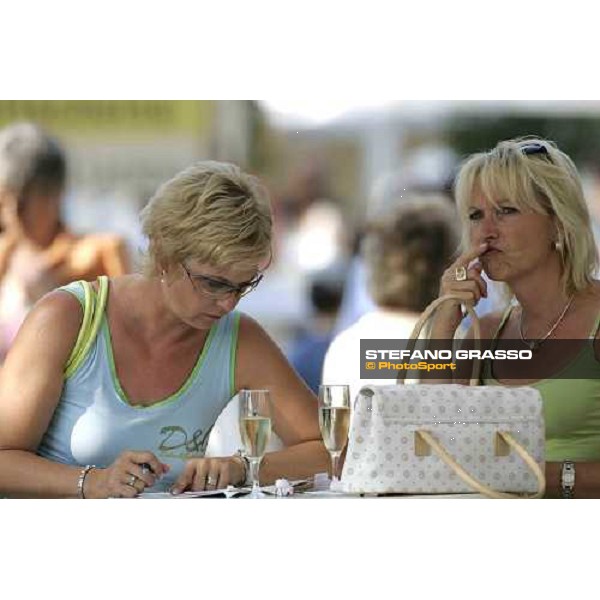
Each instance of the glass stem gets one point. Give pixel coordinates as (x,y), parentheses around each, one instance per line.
(334,464)
(254,468)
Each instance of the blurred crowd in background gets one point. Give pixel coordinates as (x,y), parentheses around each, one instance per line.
(329,185)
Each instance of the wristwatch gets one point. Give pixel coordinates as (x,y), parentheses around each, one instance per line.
(567,479)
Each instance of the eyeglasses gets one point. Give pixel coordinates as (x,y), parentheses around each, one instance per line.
(534,148)
(217,288)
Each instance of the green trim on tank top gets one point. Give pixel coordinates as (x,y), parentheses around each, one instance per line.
(233,353)
(173,397)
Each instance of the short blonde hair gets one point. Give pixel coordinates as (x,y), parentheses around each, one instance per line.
(211,212)
(407,249)
(534,174)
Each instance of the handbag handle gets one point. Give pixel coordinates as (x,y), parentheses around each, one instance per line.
(425,317)
(482,488)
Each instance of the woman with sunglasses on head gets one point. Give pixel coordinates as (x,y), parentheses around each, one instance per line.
(170,353)
(526,224)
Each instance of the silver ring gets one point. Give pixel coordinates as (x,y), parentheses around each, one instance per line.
(132,481)
(210,480)
(460,274)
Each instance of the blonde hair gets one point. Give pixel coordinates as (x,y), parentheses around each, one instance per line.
(535,175)
(407,250)
(211,212)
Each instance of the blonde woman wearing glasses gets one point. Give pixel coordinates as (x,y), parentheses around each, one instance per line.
(170,353)
(526,224)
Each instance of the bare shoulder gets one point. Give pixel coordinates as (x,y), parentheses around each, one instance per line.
(260,361)
(59,307)
(100,240)
(105,253)
(32,376)
(52,325)
(251,334)
(591,300)
(490,324)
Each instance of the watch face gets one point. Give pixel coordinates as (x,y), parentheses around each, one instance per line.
(568,475)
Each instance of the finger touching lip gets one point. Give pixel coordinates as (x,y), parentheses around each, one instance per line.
(476,251)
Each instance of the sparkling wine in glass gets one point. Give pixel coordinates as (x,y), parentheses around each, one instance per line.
(255,429)
(334,420)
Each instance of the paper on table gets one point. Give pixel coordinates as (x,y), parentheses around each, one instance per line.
(229,492)
(225,493)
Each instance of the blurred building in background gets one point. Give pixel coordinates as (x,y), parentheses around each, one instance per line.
(326,178)
(368,156)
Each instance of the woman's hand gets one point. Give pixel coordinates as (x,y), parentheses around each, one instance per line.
(464,281)
(210,474)
(126,477)
(460,279)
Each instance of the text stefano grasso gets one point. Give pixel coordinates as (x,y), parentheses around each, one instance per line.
(497,354)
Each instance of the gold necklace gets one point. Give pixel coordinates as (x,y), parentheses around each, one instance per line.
(533,345)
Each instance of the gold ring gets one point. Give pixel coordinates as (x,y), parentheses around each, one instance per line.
(132,481)
(460,274)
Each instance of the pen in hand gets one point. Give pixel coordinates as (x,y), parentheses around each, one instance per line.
(146,468)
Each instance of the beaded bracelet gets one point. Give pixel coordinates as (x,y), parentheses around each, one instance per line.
(82,475)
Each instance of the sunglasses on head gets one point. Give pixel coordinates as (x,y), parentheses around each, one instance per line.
(534,148)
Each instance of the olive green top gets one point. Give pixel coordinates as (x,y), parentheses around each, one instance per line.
(571,406)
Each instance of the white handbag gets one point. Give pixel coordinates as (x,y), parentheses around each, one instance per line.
(446,438)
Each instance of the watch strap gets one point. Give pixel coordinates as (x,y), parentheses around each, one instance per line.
(567,479)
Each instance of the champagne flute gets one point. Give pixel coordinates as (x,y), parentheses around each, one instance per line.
(334,421)
(255,429)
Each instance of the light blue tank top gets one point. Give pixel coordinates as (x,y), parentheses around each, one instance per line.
(94,421)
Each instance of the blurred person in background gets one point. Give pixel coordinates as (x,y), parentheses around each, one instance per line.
(309,236)
(37,252)
(315,234)
(426,172)
(308,349)
(170,354)
(405,252)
